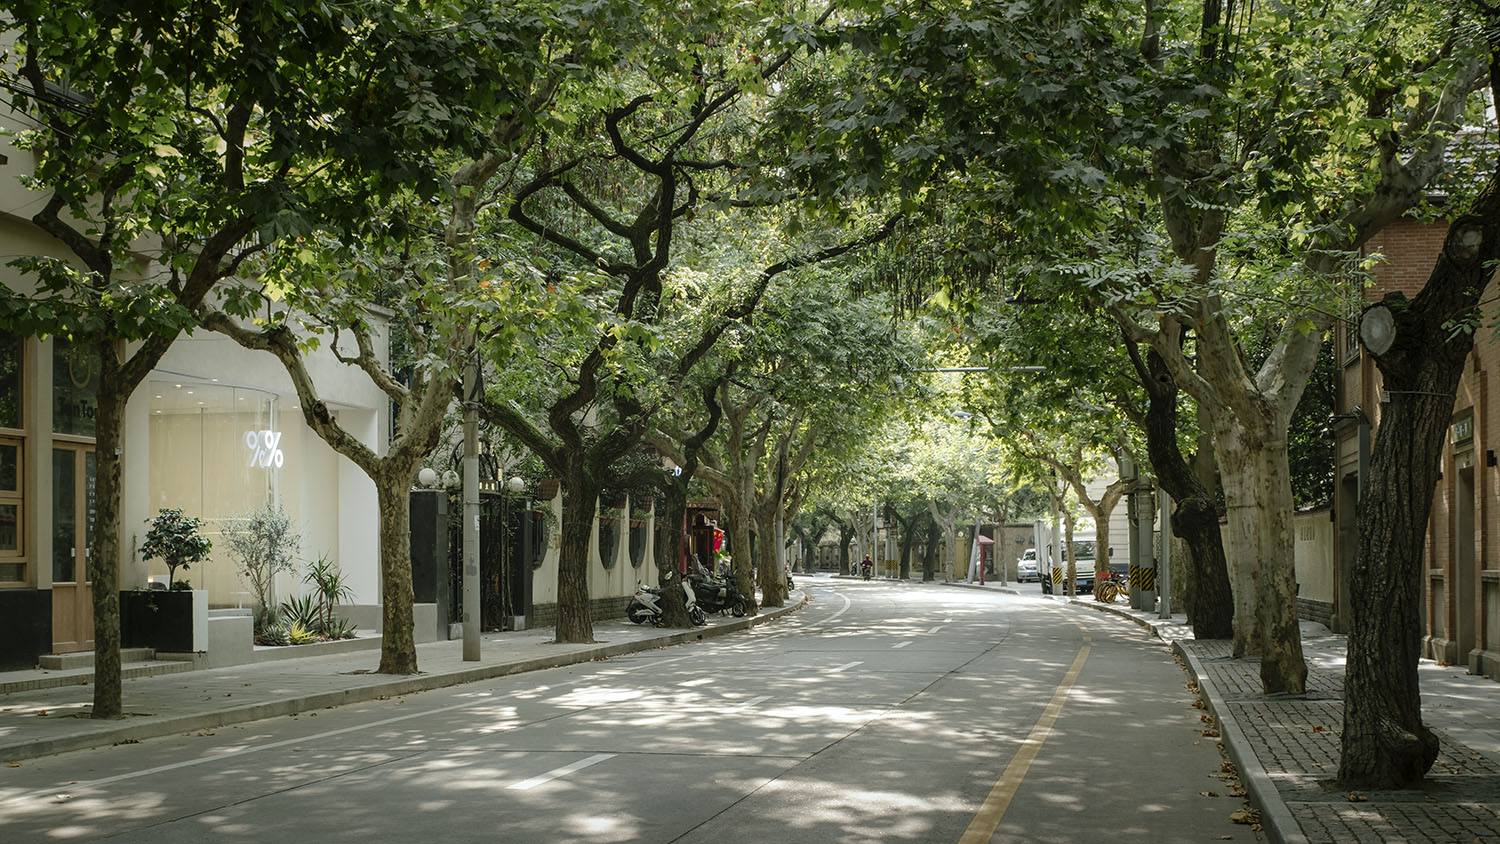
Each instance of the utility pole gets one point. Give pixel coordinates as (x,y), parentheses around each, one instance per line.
(473,389)
(1164,557)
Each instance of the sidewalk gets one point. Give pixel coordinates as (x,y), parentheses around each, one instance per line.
(38,718)
(1287,749)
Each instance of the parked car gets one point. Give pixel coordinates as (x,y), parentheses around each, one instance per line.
(1026,568)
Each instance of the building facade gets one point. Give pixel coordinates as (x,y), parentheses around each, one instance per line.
(1461,606)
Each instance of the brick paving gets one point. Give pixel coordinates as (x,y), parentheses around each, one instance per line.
(1287,748)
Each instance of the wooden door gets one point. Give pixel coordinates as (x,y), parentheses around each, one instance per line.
(72,527)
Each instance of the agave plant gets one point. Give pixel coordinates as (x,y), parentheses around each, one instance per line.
(302,610)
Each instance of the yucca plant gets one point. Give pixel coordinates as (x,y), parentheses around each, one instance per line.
(330,587)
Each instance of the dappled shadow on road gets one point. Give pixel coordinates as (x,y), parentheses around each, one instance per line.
(847,731)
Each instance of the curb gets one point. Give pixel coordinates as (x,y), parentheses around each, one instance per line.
(157,727)
(1276,819)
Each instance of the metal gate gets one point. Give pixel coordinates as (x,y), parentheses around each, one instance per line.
(507,536)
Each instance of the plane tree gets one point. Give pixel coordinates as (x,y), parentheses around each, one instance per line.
(419,271)
(640,192)
(172,143)
(1421,345)
(1171,158)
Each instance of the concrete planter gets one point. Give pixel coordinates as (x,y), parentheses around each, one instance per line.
(171,621)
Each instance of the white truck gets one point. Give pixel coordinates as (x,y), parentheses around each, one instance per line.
(1083,557)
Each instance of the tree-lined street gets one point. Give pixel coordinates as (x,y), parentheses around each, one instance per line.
(880,712)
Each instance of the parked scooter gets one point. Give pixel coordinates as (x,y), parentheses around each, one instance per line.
(789,584)
(646,604)
(717,594)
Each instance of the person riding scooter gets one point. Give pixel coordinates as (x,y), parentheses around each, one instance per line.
(866,567)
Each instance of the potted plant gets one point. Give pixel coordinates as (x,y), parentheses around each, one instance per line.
(174,538)
(175,621)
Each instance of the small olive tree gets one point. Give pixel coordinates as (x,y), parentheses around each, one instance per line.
(175,539)
(263,541)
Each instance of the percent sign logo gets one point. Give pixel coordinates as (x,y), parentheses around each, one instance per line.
(265,449)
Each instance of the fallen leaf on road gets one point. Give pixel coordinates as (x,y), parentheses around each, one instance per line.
(41,713)
(1209,793)
(12,764)
(1245,816)
(1357,798)
(1211,733)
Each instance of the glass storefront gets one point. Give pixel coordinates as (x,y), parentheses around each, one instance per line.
(75,389)
(217,453)
(12,452)
(12,413)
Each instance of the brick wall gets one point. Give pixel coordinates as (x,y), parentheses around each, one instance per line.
(545,615)
(1309,609)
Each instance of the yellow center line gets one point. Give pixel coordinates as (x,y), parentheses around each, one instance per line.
(983,827)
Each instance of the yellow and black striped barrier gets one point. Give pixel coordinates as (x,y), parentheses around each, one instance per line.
(1147,579)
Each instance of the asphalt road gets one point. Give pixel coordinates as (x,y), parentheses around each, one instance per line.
(882,712)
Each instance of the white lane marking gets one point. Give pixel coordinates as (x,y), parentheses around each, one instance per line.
(935,629)
(846,665)
(219,757)
(901,644)
(556,773)
(188,763)
(749,703)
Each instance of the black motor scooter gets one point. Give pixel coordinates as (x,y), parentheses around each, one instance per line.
(718,594)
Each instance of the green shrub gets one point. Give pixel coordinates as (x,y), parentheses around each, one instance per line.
(265,545)
(174,538)
(300,635)
(340,629)
(303,610)
(330,587)
(274,633)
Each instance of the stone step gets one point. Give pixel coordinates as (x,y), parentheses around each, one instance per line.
(85,659)
(23,681)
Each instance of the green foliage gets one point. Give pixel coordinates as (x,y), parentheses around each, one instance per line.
(329,588)
(274,633)
(340,629)
(302,610)
(300,634)
(265,545)
(174,538)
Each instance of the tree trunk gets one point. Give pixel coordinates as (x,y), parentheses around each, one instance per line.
(772,578)
(398,649)
(846,533)
(672,510)
(744,563)
(930,552)
(104,563)
(1384,742)
(575,623)
(1195,516)
(1258,487)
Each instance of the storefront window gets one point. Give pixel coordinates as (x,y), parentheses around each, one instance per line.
(11,411)
(75,389)
(216,451)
